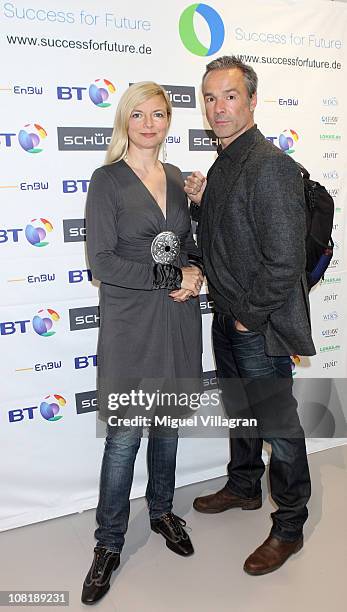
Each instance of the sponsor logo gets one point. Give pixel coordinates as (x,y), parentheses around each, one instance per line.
(84,318)
(43,324)
(329,120)
(203,140)
(85,361)
(74,230)
(86,402)
(83,138)
(206,305)
(331,280)
(49,410)
(44,321)
(330,333)
(332,297)
(75,185)
(330,364)
(31,137)
(36,234)
(286,140)
(21,90)
(331,316)
(330,155)
(330,136)
(188,34)
(99,92)
(181,96)
(295,361)
(330,175)
(288,101)
(209,380)
(329,348)
(330,101)
(42,367)
(78,276)
(173,139)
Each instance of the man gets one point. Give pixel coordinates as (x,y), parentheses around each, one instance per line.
(252,236)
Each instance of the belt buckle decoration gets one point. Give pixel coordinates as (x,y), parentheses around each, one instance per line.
(165,247)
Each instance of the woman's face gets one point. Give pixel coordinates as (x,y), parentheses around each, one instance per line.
(148,123)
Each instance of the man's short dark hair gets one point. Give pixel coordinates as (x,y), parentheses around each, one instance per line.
(232,61)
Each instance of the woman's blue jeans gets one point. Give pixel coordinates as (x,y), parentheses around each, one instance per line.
(121,446)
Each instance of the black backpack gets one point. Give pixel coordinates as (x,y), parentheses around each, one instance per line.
(319,224)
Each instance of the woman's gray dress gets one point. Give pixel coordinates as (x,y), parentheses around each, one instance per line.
(143,334)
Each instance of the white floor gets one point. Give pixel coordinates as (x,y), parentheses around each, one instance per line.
(56,555)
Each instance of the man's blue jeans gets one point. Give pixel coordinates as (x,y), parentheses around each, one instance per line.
(241,355)
(117,471)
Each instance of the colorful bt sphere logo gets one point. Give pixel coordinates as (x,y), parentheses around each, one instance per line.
(30,138)
(295,362)
(44,321)
(99,92)
(50,407)
(36,234)
(286,141)
(187,30)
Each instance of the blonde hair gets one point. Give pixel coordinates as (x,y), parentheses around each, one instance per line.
(134,95)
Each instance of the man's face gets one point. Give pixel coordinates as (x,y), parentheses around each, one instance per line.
(229,110)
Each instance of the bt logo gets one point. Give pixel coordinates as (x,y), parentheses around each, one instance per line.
(286,140)
(78,276)
(29,138)
(49,410)
(35,234)
(43,324)
(75,185)
(85,361)
(188,34)
(99,92)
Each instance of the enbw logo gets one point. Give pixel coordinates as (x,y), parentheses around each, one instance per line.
(187,30)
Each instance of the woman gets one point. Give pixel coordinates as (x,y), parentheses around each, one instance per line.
(141,248)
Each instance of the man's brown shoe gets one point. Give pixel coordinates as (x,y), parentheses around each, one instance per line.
(271,555)
(224,500)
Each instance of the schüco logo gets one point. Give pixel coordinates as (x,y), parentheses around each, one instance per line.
(188,34)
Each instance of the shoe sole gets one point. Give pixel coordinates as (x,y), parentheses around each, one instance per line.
(273,569)
(245,506)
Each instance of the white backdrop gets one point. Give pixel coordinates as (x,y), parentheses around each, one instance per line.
(54,129)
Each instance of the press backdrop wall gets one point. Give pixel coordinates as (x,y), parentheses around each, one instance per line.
(58,60)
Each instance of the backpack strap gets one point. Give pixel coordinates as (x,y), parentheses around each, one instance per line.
(303,170)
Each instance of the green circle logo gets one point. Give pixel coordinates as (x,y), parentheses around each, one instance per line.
(187,31)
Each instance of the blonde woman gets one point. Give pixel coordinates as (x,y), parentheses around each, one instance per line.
(141,248)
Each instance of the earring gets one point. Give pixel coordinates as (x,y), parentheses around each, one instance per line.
(164,152)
